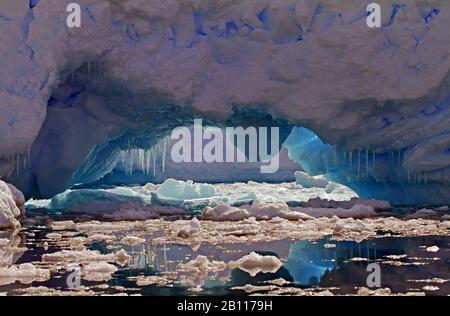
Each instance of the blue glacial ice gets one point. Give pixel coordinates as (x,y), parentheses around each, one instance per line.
(378,100)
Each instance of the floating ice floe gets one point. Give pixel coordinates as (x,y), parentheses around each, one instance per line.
(432,249)
(24,273)
(258,210)
(255,263)
(132,241)
(202,264)
(85,256)
(98,271)
(267,211)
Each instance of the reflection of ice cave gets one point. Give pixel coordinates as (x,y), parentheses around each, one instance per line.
(374,104)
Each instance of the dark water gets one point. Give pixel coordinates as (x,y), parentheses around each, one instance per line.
(306,265)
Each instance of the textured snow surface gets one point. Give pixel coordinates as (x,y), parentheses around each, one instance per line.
(9,212)
(314,63)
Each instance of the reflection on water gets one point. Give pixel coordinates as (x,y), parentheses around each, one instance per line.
(340,265)
(312,264)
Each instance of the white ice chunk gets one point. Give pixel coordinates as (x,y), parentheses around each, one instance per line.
(255,263)
(307,181)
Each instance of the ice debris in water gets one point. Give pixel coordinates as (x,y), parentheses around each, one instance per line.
(258,210)
(252,263)
(202,264)
(98,271)
(188,230)
(24,273)
(86,256)
(432,249)
(255,263)
(267,211)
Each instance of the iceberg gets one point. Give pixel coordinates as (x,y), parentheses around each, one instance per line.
(10,198)
(376,101)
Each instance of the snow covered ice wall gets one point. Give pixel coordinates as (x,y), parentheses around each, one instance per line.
(312,63)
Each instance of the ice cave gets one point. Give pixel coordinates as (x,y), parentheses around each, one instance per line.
(87,114)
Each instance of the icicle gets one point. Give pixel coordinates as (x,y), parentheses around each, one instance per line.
(17,166)
(335,158)
(359,162)
(164,155)
(367,163)
(350,156)
(374,158)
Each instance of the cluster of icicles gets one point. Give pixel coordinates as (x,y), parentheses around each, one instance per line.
(360,163)
(145,160)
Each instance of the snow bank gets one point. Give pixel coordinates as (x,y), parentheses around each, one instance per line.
(307,181)
(255,263)
(9,212)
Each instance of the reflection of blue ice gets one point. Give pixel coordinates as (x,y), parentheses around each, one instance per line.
(308,262)
(308,265)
